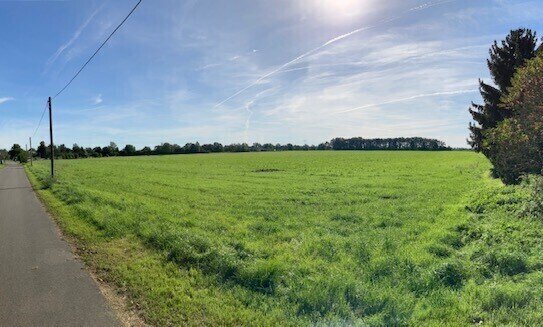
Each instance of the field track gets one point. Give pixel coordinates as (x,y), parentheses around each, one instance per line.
(42,283)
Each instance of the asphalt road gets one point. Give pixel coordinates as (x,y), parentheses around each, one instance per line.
(41,283)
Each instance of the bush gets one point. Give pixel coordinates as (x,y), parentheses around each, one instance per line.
(511,153)
(22,157)
(514,146)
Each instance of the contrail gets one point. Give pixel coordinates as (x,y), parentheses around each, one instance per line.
(430,5)
(6,99)
(355,63)
(414,97)
(248,121)
(250,112)
(300,58)
(74,38)
(351,63)
(331,41)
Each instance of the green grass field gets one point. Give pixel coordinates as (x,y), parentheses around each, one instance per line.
(304,238)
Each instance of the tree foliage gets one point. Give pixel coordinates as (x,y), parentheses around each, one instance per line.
(22,157)
(515,146)
(505,58)
(41,151)
(14,152)
(129,150)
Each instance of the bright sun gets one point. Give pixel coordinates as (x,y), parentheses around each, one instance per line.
(338,10)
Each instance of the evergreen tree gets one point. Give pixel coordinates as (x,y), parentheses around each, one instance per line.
(42,150)
(505,58)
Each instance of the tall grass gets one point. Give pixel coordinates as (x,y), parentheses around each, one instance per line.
(377,238)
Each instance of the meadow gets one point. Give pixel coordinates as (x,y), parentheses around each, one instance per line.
(304,238)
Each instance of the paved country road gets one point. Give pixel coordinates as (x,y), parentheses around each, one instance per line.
(41,283)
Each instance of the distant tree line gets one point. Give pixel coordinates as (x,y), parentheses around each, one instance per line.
(402,143)
(112,150)
(16,153)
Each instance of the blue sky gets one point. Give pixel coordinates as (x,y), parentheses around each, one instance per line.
(299,71)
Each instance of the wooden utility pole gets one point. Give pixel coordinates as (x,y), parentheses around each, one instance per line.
(30,141)
(51,137)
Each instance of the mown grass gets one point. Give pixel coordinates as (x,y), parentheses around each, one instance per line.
(300,238)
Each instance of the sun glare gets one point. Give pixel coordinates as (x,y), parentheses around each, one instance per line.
(339,10)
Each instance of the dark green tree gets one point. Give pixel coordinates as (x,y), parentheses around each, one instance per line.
(79,152)
(41,151)
(146,151)
(22,157)
(113,149)
(129,150)
(98,152)
(164,148)
(14,152)
(505,58)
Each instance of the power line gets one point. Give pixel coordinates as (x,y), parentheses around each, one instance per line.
(86,63)
(41,119)
(98,50)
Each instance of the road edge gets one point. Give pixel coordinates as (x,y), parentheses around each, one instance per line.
(114,296)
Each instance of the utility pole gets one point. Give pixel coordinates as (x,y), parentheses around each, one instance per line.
(30,141)
(51,137)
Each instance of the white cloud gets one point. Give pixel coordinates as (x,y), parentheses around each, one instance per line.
(97,99)
(6,99)
(410,98)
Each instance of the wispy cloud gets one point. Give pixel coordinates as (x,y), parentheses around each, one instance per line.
(332,41)
(72,40)
(248,121)
(413,97)
(6,99)
(248,108)
(97,99)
